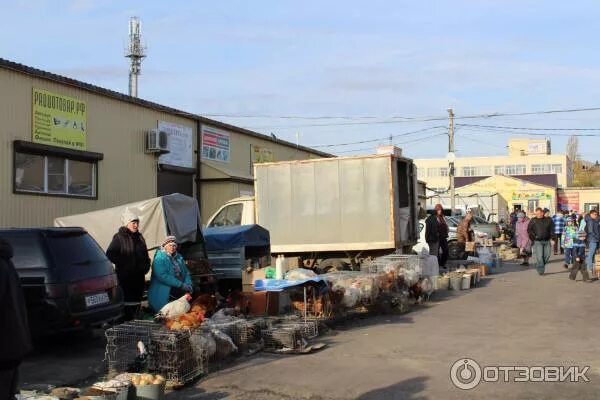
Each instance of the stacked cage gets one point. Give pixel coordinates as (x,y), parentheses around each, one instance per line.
(283,338)
(122,352)
(180,356)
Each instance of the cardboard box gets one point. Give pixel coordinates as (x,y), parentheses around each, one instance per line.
(248,288)
(248,278)
(260,303)
(294,262)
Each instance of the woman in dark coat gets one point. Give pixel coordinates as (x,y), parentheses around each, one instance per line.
(129,253)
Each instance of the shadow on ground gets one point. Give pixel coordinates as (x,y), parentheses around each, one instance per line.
(409,389)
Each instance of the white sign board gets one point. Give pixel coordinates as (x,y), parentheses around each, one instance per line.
(536,148)
(215,144)
(181,152)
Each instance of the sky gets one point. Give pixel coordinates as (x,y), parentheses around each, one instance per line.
(345,71)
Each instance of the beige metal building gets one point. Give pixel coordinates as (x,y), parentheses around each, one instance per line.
(526,157)
(68,147)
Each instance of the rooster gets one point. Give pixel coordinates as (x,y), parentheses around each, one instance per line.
(140,364)
(175,308)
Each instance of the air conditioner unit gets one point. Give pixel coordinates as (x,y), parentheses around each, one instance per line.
(157,142)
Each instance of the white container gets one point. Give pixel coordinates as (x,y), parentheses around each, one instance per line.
(443,283)
(455,282)
(280,267)
(466,282)
(435,280)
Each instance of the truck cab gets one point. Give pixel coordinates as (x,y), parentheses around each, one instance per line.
(238,211)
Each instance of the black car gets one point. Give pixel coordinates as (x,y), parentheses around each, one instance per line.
(67,280)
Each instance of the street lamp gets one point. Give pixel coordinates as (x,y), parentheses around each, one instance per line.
(451,157)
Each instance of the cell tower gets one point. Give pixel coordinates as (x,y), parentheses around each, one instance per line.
(136,52)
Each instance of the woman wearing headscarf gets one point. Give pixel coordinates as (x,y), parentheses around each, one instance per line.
(523,240)
(170,277)
(129,254)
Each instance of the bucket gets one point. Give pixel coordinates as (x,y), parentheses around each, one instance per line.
(443,283)
(498,262)
(455,282)
(482,270)
(150,392)
(489,267)
(435,281)
(466,282)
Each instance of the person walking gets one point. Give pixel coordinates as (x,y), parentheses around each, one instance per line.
(522,237)
(16,342)
(559,222)
(592,230)
(436,235)
(129,253)
(573,242)
(464,232)
(540,231)
(170,277)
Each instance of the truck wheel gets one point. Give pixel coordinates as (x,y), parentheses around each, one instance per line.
(331,265)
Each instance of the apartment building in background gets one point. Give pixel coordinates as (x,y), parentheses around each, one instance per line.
(525,157)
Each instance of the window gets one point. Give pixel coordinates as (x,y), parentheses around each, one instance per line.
(468,171)
(54,175)
(421,173)
(483,171)
(228,216)
(587,207)
(511,169)
(437,172)
(546,169)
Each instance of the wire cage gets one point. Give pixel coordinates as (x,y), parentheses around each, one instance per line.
(409,262)
(121,344)
(286,338)
(237,330)
(309,329)
(180,356)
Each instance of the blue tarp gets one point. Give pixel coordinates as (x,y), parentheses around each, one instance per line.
(230,237)
(278,285)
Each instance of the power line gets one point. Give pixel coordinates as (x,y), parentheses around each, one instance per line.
(379,139)
(501,131)
(421,118)
(530,129)
(405,142)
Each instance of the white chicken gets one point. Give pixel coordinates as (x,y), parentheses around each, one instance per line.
(175,308)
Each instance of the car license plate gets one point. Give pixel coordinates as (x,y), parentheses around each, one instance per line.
(96,299)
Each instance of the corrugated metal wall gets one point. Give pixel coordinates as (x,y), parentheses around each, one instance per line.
(115,128)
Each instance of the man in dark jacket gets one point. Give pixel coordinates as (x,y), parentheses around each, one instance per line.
(592,230)
(15,342)
(540,230)
(129,253)
(436,235)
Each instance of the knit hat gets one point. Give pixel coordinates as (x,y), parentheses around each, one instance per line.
(169,239)
(128,216)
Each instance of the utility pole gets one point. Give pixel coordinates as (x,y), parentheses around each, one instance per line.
(451,158)
(135,52)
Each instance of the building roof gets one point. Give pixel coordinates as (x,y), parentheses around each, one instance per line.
(13,66)
(542,179)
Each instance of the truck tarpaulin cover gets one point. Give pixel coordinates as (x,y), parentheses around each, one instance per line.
(174,214)
(230,237)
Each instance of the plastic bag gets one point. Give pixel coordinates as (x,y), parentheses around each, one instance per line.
(299,274)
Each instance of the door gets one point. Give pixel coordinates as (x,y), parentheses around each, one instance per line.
(170,182)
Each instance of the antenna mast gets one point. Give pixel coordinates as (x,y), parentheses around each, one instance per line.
(136,52)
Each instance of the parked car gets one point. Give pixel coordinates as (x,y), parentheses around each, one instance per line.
(422,244)
(481,226)
(67,280)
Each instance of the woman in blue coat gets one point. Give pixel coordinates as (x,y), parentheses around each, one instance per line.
(170,277)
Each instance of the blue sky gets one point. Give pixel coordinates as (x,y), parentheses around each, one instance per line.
(376,59)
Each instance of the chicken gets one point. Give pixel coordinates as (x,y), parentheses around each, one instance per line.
(206,303)
(176,307)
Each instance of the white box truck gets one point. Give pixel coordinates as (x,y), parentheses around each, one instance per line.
(333,213)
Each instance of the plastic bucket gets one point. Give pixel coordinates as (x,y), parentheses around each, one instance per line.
(443,283)
(150,392)
(466,282)
(456,282)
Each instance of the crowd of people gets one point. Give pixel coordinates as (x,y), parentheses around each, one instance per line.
(566,233)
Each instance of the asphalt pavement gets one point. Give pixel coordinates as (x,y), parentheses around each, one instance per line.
(515,318)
